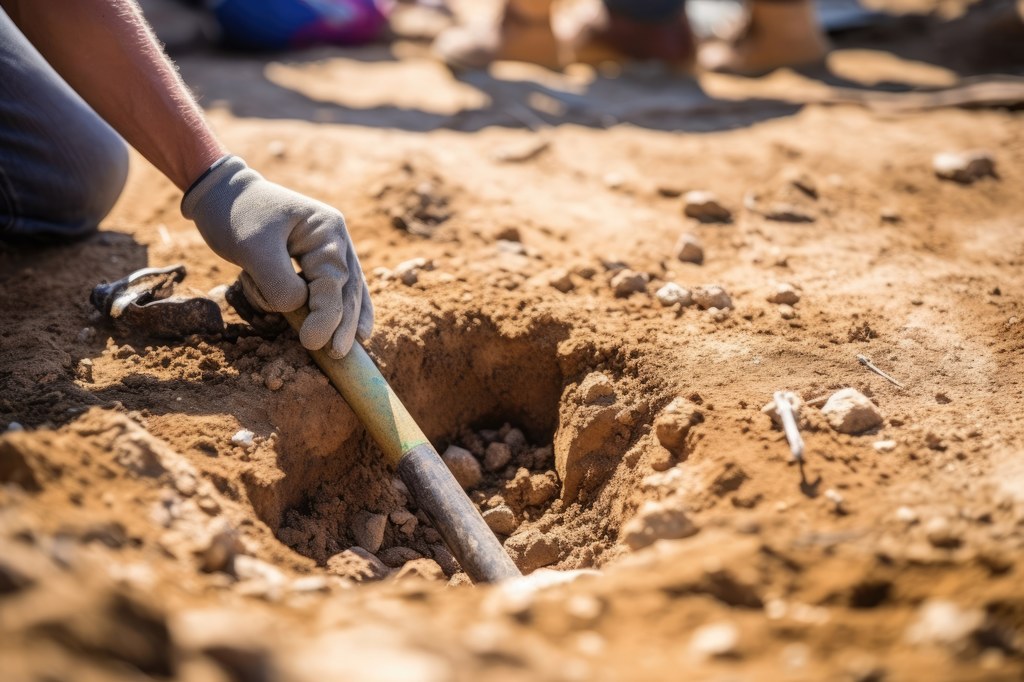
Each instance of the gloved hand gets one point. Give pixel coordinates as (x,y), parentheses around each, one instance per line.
(261,226)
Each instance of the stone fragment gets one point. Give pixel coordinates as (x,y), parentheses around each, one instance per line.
(397,556)
(689,249)
(368,530)
(515,439)
(672,294)
(501,520)
(941,533)
(940,622)
(788,213)
(540,489)
(596,386)
(884,446)
(532,549)
(405,520)
(497,456)
(785,293)
(627,282)
(243,437)
(423,568)
(674,423)
(561,280)
(715,640)
(408,272)
(850,411)
(358,564)
(787,312)
(221,549)
(704,206)
(712,296)
(84,371)
(463,465)
(665,520)
(964,167)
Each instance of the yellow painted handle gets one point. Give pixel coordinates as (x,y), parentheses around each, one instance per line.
(367,392)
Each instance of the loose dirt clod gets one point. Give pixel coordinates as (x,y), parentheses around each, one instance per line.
(657,521)
(358,565)
(501,519)
(705,207)
(497,456)
(674,423)
(532,549)
(850,411)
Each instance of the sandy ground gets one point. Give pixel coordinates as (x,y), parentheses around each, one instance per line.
(140,542)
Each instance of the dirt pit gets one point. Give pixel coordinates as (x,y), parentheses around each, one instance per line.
(591,358)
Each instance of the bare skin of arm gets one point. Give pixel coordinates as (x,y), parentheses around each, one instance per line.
(106,52)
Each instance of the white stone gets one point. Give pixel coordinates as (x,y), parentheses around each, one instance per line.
(712,296)
(673,294)
(850,411)
(906,515)
(715,640)
(243,437)
(463,466)
(940,622)
(964,167)
(408,272)
(884,445)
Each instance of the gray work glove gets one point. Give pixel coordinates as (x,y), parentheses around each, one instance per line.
(261,226)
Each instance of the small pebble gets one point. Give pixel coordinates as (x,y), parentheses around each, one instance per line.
(906,515)
(626,282)
(561,280)
(850,411)
(715,640)
(655,521)
(463,465)
(785,293)
(940,622)
(941,533)
(243,437)
(705,207)
(86,334)
(501,520)
(689,249)
(408,272)
(672,294)
(497,456)
(674,423)
(964,167)
(368,530)
(884,445)
(787,312)
(712,296)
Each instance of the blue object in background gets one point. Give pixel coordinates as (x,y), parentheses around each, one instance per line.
(282,24)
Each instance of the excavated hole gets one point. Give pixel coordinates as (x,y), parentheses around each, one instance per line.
(468,385)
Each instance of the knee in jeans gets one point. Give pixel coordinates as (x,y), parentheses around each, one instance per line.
(92,193)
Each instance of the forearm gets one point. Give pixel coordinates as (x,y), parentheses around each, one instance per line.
(106,52)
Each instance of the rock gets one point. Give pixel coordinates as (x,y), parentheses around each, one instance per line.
(425,569)
(540,489)
(788,213)
(221,549)
(672,294)
(86,334)
(655,521)
(785,293)
(712,296)
(561,280)
(396,556)
(309,584)
(884,446)
(515,439)
(770,409)
(669,191)
(497,456)
(251,568)
(405,520)
(940,622)
(501,520)
(463,465)
(532,549)
(850,411)
(596,386)
(803,181)
(626,282)
(964,167)
(243,437)
(408,272)
(358,564)
(890,215)
(509,233)
(445,559)
(689,250)
(704,206)
(787,312)
(941,533)
(715,640)
(368,530)
(906,515)
(84,371)
(674,423)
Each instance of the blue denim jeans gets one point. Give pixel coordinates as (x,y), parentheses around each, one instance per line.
(61,166)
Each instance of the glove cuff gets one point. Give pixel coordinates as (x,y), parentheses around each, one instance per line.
(216,176)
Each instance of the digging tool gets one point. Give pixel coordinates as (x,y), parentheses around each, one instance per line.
(405,447)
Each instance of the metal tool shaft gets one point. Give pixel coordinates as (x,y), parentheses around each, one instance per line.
(408,450)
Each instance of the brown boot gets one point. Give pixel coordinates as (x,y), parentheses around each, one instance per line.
(779,33)
(602,36)
(523,34)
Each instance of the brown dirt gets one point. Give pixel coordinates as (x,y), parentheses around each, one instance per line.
(125,474)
